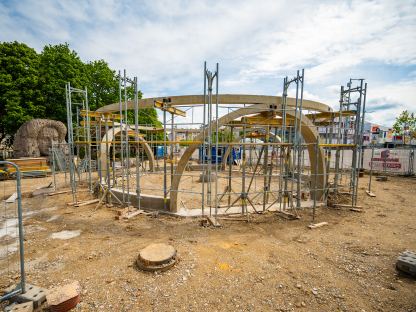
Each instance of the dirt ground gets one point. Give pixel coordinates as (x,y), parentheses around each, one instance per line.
(268,264)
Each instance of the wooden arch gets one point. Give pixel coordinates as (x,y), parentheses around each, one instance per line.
(110,136)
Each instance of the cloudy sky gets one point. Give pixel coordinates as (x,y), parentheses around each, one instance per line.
(256,42)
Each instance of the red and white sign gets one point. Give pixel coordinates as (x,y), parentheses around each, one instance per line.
(386,159)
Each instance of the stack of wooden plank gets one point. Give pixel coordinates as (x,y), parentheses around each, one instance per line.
(29,167)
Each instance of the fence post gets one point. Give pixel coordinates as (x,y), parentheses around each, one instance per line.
(22,288)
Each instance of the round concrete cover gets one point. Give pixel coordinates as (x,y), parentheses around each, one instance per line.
(157,254)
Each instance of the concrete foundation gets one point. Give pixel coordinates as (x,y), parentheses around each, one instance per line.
(147,201)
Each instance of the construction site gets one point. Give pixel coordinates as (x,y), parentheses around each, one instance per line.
(236,202)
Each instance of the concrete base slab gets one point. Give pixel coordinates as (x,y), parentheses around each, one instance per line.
(35,294)
(406,262)
(371,194)
(21,307)
(154,202)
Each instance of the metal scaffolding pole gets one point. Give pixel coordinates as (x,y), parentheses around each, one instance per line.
(301,80)
(203,141)
(216,141)
(121,135)
(136,134)
(127,140)
(88,130)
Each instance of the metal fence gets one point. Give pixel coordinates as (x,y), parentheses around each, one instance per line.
(396,161)
(400,161)
(11,234)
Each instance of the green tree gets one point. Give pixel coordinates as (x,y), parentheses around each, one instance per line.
(405,124)
(103,84)
(19,86)
(32,85)
(59,65)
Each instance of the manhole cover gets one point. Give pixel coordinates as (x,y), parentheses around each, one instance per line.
(156,257)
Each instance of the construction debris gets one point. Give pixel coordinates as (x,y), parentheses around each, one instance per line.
(64,298)
(317,225)
(130,212)
(407,262)
(12,198)
(83,203)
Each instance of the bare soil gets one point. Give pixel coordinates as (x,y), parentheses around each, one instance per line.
(268,264)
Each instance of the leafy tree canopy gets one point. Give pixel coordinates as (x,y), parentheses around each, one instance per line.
(405,124)
(32,85)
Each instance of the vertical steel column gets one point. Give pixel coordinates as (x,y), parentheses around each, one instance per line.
(230,164)
(216,141)
(52,152)
(357,146)
(316,180)
(371,168)
(295,144)
(127,140)
(265,169)
(136,134)
(88,130)
(107,161)
(339,141)
(209,171)
(299,143)
(98,147)
(203,140)
(165,192)
(243,175)
(71,144)
(113,166)
(282,189)
(121,135)
(172,116)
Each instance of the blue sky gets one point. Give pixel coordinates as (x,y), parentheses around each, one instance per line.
(256,43)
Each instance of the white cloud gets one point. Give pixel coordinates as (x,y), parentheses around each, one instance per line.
(256,43)
(386,102)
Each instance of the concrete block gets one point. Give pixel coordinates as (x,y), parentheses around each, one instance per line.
(147,201)
(22,307)
(35,294)
(406,262)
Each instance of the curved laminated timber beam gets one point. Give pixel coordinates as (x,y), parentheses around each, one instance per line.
(248,99)
(257,104)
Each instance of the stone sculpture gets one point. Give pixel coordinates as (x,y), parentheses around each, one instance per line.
(35,137)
